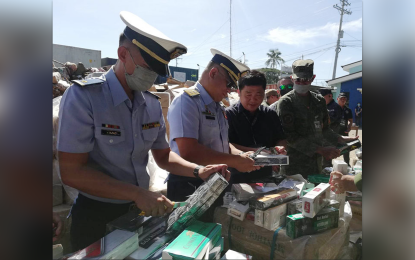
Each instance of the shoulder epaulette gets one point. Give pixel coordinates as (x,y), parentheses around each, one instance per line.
(153,94)
(88,82)
(192,92)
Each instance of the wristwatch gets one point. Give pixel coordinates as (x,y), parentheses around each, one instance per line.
(196,171)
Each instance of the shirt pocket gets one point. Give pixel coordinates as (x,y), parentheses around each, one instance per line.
(109,136)
(150,136)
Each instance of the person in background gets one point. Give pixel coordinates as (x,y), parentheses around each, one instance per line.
(271,96)
(358,114)
(305,122)
(346,121)
(252,125)
(285,85)
(334,110)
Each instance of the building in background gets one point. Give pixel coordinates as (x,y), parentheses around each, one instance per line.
(90,58)
(108,61)
(350,84)
(181,74)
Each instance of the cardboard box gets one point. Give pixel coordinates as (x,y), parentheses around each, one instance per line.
(272,200)
(271,159)
(298,225)
(194,241)
(116,245)
(275,217)
(315,200)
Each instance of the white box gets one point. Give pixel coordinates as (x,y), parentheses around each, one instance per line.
(315,200)
(271,218)
(233,255)
(238,210)
(340,166)
(259,218)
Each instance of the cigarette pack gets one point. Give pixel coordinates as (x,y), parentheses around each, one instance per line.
(298,225)
(194,241)
(238,210)
(271,159)
(116,245)
(250,215)
(315,200)
(233,255)
(294,207)
(271,218)
(227,199)
(345,148)
(154,251)
(318,178)
(340,166)
(271,200)
(217,249)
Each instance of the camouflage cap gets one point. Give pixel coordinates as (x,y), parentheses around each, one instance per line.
(303,69)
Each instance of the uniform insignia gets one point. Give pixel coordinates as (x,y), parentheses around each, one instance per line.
(88,82)
(153,94)
(192,92)
(210,117)
(151,125)
(287,119)
(208,112)
(109,132)
(111,126)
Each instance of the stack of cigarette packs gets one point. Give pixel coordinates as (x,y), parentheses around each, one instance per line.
(200,201)
(271,159)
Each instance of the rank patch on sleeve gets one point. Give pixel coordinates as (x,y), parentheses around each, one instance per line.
(151,125)
(109,132)
(287,119)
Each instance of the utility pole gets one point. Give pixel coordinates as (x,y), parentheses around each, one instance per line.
(244,56)
(340,35)
(176,60)
(230,28)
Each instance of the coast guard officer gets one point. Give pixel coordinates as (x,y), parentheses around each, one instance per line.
(108,125)
(199,127)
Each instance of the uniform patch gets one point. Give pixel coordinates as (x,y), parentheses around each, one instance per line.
(288,119)
(151,125)
(86,82)
(208,112)
(109,132)
(192,92)
(111,126)
(210,117)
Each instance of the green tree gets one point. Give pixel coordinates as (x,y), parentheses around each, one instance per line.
(274,58)
(272,75)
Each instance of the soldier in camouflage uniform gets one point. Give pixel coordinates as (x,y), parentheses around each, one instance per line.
(305,122)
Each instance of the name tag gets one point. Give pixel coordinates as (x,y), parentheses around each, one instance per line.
(342,122)
(151,125)
(109,132)
(210,117)
(317,124)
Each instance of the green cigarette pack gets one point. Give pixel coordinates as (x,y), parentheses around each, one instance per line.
(194,241)
(297,225)
(319,178)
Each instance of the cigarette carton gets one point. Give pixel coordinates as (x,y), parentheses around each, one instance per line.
(271,159)
(133,222)
(345,148)
(154,251)
(259,217)
(238,210)
(298,225)
(194,241)
(315,200)
(217,249)
(294,207)
(275,217)
(272,200)
(116,245)
(318,178)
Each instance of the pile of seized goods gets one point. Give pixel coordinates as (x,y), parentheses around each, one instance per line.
(178,235)
(294,219)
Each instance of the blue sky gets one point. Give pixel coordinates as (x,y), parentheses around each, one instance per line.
(296,27)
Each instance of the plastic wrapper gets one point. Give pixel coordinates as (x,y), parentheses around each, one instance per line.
(56,76)
(157,176)
(246,237)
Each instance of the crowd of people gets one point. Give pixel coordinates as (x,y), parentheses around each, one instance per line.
(108,126)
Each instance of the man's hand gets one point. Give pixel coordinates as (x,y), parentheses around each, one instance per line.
(58,225)
(208,170)
(246,163)
(329,152)
(346,139)
(153,204)
(340,183)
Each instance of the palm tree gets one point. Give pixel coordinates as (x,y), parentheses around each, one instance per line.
(274,58)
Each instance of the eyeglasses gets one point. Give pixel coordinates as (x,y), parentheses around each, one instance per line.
(289,86)
(229,83)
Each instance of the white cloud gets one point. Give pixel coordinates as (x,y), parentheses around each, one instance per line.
(292,36)
(192,30)
(222,36)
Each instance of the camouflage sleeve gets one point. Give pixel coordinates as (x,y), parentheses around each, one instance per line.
(299,142)
(328,133)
